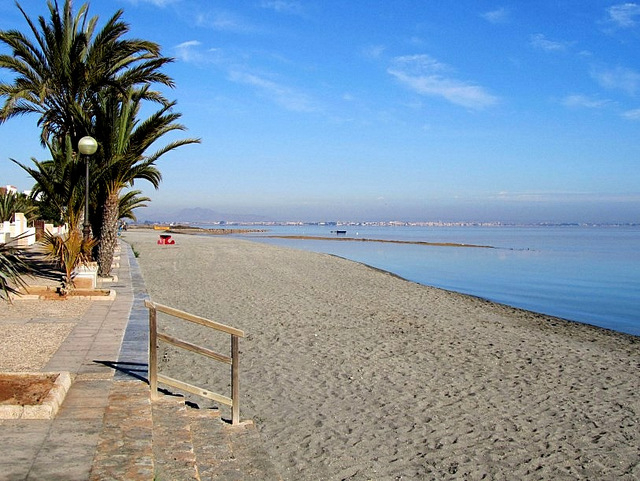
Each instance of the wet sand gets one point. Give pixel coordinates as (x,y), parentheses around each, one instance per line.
(352,373)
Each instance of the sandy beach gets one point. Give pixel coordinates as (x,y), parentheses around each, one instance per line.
(352,373)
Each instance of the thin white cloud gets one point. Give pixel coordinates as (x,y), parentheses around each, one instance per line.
(282,95)
(624,15)
(225,21)
(583,101)
(632,114)
(157,3)
(282,6)
(188,44)
(619,78)
(500,15)
(189,52)
(421,63)
(287,97)
(373,51)
(540,41)
(192,51)
(424,75)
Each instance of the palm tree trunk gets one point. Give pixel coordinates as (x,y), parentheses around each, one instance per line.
(108,234)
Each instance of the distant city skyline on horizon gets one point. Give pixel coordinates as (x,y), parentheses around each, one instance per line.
(606,212)
(205,215)
(464,111)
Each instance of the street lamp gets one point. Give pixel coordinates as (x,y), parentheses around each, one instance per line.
(87,146)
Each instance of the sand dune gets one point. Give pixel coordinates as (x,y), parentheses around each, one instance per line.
(351,373)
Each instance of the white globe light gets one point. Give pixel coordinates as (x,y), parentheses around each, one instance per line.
(87,145)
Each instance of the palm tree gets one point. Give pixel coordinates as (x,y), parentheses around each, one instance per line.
(59,183)
(122,158)
(59,72)
(82,82)
(60,187)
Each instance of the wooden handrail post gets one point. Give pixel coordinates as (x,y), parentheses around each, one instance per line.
(153,352)
(235,386)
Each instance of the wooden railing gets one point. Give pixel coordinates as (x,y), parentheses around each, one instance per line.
(155,377)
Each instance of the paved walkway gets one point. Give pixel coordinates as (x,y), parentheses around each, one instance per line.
(111,339)
(107,429)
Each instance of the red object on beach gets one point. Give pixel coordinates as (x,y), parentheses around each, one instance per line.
(165,239)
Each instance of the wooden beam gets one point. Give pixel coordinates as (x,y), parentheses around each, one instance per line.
(235,381)
(193,348)
(195,390)
(197,319)
(153,354)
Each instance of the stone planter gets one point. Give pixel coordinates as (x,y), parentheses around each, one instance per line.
(86,277)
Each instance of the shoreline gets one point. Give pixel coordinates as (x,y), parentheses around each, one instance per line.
(183,229)
(350,372)
(590,286)
(550,317)
(385,241)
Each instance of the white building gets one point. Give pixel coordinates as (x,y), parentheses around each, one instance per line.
(24,236)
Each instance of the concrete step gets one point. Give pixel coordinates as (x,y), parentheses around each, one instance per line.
(125,446)
(172,442)
(168,441)
(229,453)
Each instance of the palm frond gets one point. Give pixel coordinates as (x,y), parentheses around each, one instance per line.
(128,202)
(12,268)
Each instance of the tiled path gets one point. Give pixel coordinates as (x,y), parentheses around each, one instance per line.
(106,428)
(63,448)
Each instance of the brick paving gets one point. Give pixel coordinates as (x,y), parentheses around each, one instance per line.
(107,429)
(172,440)
(125,450)
(237,454)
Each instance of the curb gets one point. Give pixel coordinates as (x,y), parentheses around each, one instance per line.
(49,406)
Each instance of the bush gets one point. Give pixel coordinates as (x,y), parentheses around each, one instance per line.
(69,251)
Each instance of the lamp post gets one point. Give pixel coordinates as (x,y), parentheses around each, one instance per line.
(87,146)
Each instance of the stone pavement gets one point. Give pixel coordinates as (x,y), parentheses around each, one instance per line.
(63,448)
(106,428)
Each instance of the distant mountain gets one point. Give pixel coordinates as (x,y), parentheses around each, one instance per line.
(201,214)
(197,215)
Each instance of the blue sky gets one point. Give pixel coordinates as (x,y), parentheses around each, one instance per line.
(390,110)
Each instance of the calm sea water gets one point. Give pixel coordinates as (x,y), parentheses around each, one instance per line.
(585,274)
